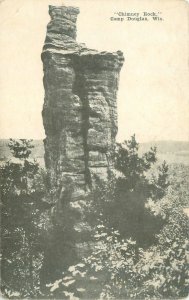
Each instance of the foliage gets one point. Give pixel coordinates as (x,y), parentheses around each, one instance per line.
(20,148)
(179,180)
(130,164)
(110,259)
(168,261)
(139,233)
(21,203)
(118,269)
(160,181)
(121,201)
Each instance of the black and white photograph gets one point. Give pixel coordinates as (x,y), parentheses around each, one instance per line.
(94,149)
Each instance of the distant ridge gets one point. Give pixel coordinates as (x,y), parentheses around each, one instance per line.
(167,146)
(171,151)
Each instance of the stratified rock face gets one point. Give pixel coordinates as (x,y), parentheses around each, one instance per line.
(80,110)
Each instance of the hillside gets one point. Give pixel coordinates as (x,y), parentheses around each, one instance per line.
(171,151)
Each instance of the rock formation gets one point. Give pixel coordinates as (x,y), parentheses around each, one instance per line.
(80,110)
(80,121)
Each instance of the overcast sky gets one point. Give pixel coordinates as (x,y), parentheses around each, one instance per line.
(153,97)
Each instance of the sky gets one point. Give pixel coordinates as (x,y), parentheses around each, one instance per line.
(153,95)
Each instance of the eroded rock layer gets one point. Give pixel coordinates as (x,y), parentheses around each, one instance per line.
(80,121)
(80,110)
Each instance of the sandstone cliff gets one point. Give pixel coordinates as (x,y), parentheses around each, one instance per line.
(80,121)
(80,110)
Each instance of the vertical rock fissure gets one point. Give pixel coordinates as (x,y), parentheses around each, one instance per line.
(85,129)
(79,90)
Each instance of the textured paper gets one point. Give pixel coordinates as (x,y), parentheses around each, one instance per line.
(153,95)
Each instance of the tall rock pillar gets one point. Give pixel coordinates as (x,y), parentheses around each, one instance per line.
(80,121)
(80,110)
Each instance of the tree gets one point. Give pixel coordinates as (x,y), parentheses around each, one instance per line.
(21,201)
(121,201)
(130,164)
(160,182)
(20,149)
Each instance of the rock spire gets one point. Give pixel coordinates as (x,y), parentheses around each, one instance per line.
(80,109)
